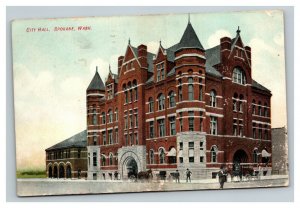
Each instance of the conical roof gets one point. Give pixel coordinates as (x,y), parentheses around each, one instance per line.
(189,39)
(96,83)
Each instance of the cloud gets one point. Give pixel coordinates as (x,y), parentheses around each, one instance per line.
(214,39)
(152,47)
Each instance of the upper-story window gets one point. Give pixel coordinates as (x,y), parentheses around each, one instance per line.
(161,102)
(214,151)
(151,104)
(179,90)
(213,98)
(259,109)
(95,119)
(238,76)
(172,125)
(161,156)
(110,116)
(110,94)
(117,115)
(255,155)
(200,89)
(265,110)
(191,88)
(171,99)
(161,127)
(253,107)
(160,71)
(213,125)
(111,159)
(135,89)
(191,120)
(103,118)
(151,157)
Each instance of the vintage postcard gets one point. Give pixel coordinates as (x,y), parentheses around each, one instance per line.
(150,103)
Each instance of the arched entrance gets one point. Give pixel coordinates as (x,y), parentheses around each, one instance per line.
(240,156)
(132,168)
(55,172)
(69,171)
(61,171)
(50,172)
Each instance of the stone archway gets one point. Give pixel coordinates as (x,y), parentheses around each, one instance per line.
(50,172)
(69,172)
(240,156)
(55,172)
(129,162)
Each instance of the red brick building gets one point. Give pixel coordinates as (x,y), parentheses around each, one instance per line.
(183,107)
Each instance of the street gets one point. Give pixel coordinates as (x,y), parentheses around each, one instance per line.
(38,187)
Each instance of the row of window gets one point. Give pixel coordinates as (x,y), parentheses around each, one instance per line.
(103,117)
(103,159)
(260,110)
(131,120)
(111,139)
(130,92)
(62,154)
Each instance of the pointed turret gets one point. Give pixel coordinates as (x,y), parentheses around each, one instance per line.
(96,83)
(189,39)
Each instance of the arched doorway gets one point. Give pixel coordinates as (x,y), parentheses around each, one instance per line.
(240,156)
(69,171)
(61,171)
(130,168)
(50,172)
(55,172)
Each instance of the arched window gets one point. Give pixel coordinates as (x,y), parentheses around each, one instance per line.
(214,151)
(151,156)
(103,160)
(161,156)
(110,116)
(213,98)
(130,92)
(238,76)
(171,99)
(151,104)
(103,118)
(190,88)
(111,159)
(161,102)
(255,155)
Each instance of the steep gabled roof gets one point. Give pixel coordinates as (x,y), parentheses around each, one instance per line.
(255,84)
(149,58)
(189,39)
(78,140)
(96,83)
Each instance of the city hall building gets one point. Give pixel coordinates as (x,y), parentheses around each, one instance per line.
(183,107)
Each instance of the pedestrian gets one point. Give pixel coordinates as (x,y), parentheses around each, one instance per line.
(222,176)
(177,176)
(188,175)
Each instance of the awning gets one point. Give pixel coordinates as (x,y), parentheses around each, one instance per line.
(172,152)
(264,153)
(180,153)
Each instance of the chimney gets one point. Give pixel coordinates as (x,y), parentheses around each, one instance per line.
(120,61)
(225,44)
(142,55)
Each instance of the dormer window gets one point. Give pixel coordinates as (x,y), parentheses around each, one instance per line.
(238,76)
(110,92)
(160,72)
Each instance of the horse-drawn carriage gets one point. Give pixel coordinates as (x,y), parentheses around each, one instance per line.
(240,172)
(141,176)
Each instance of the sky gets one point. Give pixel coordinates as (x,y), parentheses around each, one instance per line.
(52,69)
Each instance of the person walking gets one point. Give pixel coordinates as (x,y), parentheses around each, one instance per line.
(177,176)
(188,175)
(222,176)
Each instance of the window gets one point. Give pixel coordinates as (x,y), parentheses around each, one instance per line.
(151,104)
(255,155)
(136,138)
(253,131)
(103,160)
(200,89)
(89,159)
(191,120)
(201,124)
(191,152)
(95,139)
(78,153)
(130,121)
(126,96)
(161,127)
(104,138)
(110,91)
(214,151)
(171,99)
(180,145)
(110,116)
(126,139)
(151,129)
(110,137)
(95,120)
(260,132)
(151,157)
(201,145)
(266,134)
(125,122)
(234,105)
(265,110)
(135,90)
(201,159)
(238,76)
(172,125)
(161,102)
(241,103)
(180,122)
(131,139)
(234,131)
(259,109)
(136,122)
(253,107)
(241,131)
(179,90)
(213,125)
(111,159)
(103,118)
(160,72)
(161,156)
(117,115)
(213,99)
(190,88)
(94,159)
(117,136)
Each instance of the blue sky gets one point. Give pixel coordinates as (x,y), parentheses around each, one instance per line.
(53,69)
